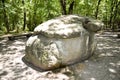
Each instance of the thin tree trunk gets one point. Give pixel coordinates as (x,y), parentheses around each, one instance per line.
(24,24)
(111,13)
(34,19)
(29,25)
(86,3)
(49,16)
(119,15)
(13,24)
(5,17)
(63,6)
(71,7)
(34,15)
(106,15)
(97,9)
(115,15)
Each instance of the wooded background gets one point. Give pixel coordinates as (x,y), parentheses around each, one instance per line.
(25,15)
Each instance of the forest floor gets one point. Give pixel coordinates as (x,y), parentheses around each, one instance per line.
(103,65)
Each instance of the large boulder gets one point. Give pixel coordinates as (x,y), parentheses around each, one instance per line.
(62,41)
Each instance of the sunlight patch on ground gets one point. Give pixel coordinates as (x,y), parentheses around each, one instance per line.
(106,55)
(113,64)
(18,42)
(92,79)
(3,41)
(112,70)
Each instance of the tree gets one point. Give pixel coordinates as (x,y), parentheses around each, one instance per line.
(97,9)
(63,6)
(6,22)
(71,6)
(114,13)
(24,12)
(22,15)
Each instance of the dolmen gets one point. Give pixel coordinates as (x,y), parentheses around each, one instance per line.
(62,41)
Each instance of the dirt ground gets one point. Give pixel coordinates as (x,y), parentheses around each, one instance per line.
(103,65)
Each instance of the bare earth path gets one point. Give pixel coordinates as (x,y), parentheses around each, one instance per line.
(104,65)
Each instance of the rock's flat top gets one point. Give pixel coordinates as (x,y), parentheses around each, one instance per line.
(68,26)
(64,26)
(104,65)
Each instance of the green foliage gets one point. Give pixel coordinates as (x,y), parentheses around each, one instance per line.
(38,11)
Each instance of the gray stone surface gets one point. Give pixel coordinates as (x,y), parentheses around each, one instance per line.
(62,41)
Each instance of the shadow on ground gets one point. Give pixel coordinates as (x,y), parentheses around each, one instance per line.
(103,65)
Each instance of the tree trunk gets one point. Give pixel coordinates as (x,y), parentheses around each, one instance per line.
(97,9)
(71,7)
(29,24)
(63,6)
(34,20)
(119,15)
(5,16)
(13,24)
(115,16)
(24,24)
(111,13)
